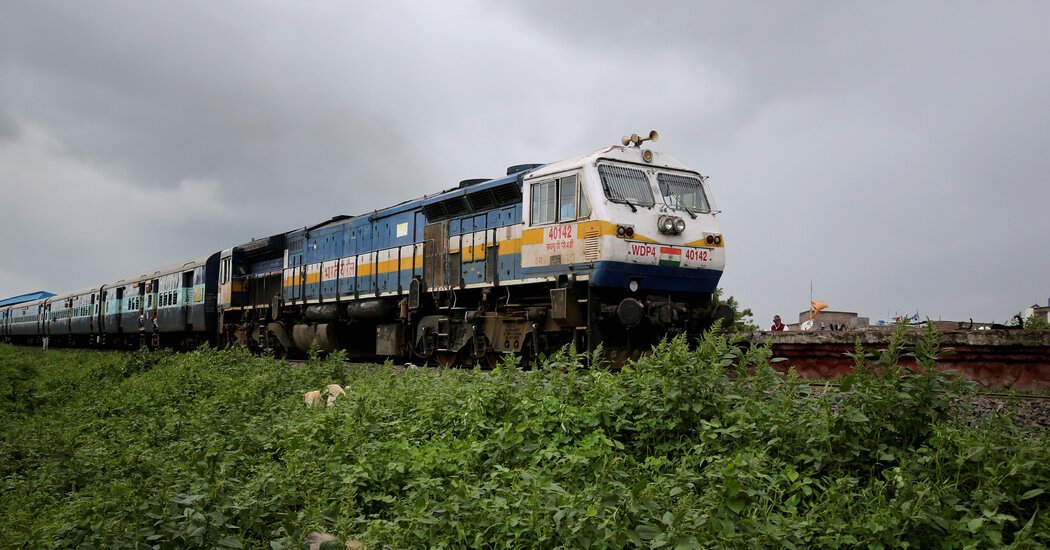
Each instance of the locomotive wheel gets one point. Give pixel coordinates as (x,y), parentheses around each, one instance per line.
(493,359)
(278,351)
(618,357)
(445,359)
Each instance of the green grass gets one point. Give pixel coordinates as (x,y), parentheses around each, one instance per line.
(216,449)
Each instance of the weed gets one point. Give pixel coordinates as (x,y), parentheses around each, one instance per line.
(691,446)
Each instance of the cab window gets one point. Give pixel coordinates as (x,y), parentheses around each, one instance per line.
(558,200)
(626,185)
(567,199)
(683,192)
(544,202)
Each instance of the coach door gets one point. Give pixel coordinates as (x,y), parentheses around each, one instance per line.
(152,305)
(435,255)
(141,308)
(44,326)
(119,306)
(188,297)
(104,308)
(93,321)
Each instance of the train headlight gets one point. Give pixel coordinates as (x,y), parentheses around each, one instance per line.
(621,231)
(666,224)
(671,225)
(633,285)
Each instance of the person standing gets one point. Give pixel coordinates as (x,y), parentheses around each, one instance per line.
(777,325)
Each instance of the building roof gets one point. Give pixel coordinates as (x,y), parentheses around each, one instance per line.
(26,298)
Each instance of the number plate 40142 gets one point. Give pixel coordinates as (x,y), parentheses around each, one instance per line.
(696,257)
(644,253)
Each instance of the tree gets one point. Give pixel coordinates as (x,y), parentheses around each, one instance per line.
(743,319)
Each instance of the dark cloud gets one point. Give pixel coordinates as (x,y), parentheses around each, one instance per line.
(892,153)
(9,129)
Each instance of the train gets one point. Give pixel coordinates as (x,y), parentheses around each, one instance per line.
(619,247)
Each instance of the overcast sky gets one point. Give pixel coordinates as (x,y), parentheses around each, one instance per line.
(894,154)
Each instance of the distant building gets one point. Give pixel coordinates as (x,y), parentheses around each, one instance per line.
(1037,311)
(847,319)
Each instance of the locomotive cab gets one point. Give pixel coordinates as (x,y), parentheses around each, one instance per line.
(639,228)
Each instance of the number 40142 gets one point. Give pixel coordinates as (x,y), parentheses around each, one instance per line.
(560,232)
(696,254)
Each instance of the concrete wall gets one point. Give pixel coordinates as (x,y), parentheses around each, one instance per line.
(1017,359)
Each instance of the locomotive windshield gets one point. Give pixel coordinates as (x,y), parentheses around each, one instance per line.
(683,193)
(626,185)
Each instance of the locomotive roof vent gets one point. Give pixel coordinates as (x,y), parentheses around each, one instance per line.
(511,170)
(475,181)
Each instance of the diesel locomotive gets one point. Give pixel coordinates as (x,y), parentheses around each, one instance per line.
(618,247)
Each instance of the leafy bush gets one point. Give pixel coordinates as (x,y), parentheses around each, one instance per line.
(1036,322)
(686,447)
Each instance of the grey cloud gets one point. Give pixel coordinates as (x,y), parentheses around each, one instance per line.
(9,128)
(891,153)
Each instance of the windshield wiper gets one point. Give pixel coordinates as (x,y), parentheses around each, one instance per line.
(620,197)
(686,208)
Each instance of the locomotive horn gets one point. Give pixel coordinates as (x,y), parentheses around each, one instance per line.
(636,140)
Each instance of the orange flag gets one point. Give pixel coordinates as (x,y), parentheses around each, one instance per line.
(816,306)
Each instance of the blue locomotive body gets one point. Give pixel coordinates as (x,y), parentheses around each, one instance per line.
(547,255)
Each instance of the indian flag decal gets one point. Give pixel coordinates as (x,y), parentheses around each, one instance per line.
(670,256)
